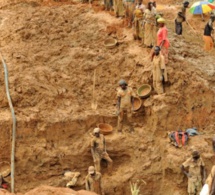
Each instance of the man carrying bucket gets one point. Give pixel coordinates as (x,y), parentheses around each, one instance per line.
(98,150)
(125,103)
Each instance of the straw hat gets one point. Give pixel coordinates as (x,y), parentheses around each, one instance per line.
(161,20)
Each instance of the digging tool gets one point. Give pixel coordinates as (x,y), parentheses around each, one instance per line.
(190,26)
(14,124)
(94,102)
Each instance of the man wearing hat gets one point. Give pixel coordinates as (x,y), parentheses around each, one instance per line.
(93,181)
(98,150)
(181,17)
(196,175)
(125,103)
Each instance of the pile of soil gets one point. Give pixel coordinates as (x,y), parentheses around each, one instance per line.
(48,190)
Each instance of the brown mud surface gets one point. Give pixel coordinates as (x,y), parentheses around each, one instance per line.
(52,49)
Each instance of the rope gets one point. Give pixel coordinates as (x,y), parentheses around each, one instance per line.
(14,123)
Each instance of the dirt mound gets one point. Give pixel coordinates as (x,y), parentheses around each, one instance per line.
(48,190)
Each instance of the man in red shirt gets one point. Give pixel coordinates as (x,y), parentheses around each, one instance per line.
(162,40)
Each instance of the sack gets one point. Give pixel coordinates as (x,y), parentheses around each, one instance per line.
(205,190)
(4,186)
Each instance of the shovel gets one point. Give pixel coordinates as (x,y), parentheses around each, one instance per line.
(94,102)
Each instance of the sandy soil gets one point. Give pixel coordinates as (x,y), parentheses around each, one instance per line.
(52,49)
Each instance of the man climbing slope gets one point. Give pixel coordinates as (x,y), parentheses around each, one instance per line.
(93,181)
(98,150)
(181,17)
(158,70)
(125,103)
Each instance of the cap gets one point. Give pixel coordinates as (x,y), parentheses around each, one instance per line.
(96,130)
(157,48)
(195,153)
(122,82)
(186,2)
(161,20)
(91,169)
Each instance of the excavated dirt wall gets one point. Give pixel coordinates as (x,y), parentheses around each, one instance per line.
(51,53)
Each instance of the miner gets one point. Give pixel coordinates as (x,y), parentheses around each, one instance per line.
(158,70)
(93,181)
(125,103)
(138,20)
(150,26)
(196,174)
(129,9)
(98,150)
(162,38)
(181,17)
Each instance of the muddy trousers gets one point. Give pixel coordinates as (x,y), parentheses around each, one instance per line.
(98,158)
(108,4)
(178,28)
(194,186)
(121,118)
(138,29)
(158,86)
